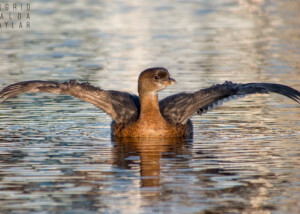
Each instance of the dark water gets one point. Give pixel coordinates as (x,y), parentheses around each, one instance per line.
(56,154)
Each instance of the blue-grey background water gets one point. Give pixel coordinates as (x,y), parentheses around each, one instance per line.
(56,153)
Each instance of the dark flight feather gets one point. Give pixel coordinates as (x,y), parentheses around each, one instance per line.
(180,107)
(121,106)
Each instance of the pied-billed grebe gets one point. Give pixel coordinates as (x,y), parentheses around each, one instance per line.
(144,115)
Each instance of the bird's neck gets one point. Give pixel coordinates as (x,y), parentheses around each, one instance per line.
(149,106)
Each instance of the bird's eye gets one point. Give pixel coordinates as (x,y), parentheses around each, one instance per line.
(156,77)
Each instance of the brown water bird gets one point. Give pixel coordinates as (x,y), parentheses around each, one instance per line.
(144,115)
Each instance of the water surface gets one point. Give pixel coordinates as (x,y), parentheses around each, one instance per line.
(56,153)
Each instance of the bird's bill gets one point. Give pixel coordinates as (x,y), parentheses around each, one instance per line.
(170,81)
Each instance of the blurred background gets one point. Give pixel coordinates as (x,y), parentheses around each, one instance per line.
(56,154)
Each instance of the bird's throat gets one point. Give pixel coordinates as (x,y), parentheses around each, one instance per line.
(149,107)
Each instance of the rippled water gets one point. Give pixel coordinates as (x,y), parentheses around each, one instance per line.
(56,153)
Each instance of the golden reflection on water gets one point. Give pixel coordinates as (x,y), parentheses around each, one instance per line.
(150,152)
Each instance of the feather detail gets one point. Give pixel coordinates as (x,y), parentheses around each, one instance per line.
(177,109)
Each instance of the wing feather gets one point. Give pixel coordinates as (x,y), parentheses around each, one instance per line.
(178,108)
(121,106)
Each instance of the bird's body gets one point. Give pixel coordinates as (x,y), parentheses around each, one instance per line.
(144,115)
(152,125)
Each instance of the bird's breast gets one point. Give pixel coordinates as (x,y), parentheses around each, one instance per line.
(150,127)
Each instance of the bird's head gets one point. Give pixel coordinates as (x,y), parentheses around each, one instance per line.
(153,80)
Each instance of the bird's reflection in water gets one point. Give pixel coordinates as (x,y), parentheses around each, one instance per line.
(150,153)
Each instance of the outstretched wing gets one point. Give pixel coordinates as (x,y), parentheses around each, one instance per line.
(179,107)
(121,106)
